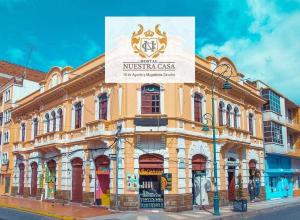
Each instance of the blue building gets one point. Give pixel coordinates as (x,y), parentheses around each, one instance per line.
(281,131)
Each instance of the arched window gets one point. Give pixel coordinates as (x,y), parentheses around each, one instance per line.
(235,117)
(198,107)
(228,111)
(60,119)
(150,99)
(47,121)
(35,127)
(23,128)
(53,115)
(251,123)
(78,113)
(103,106)
(220,111)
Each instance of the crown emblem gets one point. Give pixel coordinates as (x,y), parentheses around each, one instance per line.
(149,44)
(149,33)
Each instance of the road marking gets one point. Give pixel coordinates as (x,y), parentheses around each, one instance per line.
(142,217)
(178,217)
(192,215)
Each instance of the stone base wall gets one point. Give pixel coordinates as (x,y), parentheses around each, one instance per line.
(223,196)
(14,190)
(63,195)
(88,197)
(26,192)
(172,202)
(127,202)
(178,202)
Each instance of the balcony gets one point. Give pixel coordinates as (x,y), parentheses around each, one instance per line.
(293,124)
(95,128)
(234,134)
(50,138)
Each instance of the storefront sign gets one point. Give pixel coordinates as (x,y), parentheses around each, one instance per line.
(102,170)
(151,200)
(150,172)
(132,182)
(166,181)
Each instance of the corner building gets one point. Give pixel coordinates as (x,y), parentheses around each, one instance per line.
(65,143)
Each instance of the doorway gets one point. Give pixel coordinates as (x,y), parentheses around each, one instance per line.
(199,180)
(102,195)
(51,179)
(231,183)
(150,172)
(77,178)
(21,178)
(34,173)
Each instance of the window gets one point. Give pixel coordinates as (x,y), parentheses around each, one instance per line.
(103,106)
(23,127)
(198,107)
(0,138)
(291,141)
(47,121)
(7,116)
(150,99)
(60,119)
(53,118)
(273,103)
(228,112)
(7,95)
(1,119)
(4,158)
(235,117)
(272,132)
(6,137)
(220,111)
(78,112)
(35,127)
(250,123)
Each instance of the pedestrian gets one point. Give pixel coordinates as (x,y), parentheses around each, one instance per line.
(251,189)
(257,184)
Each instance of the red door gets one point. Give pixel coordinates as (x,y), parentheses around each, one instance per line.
(77,180)
(34,173)
(231,184)
(21,179)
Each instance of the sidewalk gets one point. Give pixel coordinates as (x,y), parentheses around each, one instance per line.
(55,210)
(226,212)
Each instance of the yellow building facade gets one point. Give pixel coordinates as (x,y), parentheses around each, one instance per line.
(68,132)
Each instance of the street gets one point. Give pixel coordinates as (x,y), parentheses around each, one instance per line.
(13,214)
(290,212)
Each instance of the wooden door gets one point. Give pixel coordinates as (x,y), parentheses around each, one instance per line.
(21,178)
(231,185)
(34,173)
(77,180)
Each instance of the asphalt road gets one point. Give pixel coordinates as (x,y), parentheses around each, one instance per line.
(291,213)
(12,214)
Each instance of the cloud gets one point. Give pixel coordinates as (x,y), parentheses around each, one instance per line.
(92,49)
(16,55)
(273,55)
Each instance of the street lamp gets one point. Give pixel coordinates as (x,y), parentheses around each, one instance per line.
(211,117)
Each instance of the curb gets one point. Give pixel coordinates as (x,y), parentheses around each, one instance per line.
(43,213)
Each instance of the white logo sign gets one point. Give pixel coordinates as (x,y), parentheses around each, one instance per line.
(149,49)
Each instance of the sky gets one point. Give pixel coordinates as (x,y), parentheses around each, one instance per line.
(261,37)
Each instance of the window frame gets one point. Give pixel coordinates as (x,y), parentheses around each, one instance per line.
(153,97)
(78,115)
(198,107)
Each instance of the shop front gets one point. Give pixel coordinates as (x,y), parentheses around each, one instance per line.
(102,191)
(279,177)
(50,179)
(151,194)
(199,180)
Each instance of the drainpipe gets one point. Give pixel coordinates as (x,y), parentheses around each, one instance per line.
(119,128)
